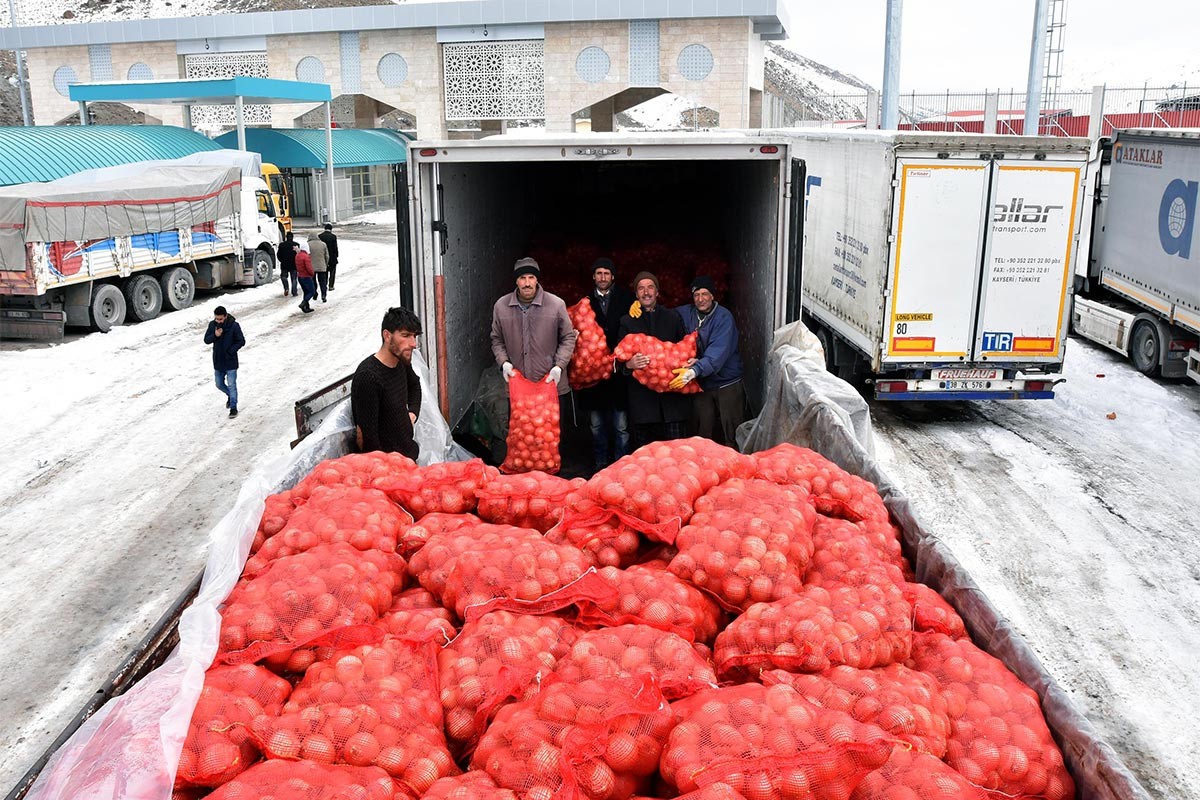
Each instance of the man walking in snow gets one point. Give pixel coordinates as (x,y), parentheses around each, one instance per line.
(225,335)
(331,241)
(319,253)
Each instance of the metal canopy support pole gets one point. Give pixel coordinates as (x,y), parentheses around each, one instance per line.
(12,22)
(1037,57)
(83,115)
(329,161)
(891,66)
(240,111)
(187,116)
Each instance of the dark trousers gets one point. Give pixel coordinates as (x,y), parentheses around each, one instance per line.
(283,277)
(332,274)
(310,290)
(323,282)
(647,432)
(610,435)
(717,414)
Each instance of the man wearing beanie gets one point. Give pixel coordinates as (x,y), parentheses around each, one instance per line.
(721,407)
(606,402)
(653,416)
(532,332)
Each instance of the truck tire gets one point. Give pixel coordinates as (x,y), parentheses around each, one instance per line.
(143,297)
(827,344)
(178,288)
(1145,348)
(264,267)
(108,307)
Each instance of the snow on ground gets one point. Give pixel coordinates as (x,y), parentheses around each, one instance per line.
(119,458)
(1082,530)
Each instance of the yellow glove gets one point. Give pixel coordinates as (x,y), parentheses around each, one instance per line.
(683,376)
(635,310)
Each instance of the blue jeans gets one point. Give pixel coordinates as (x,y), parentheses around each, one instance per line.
(609,428)
(309,287)
(227,382)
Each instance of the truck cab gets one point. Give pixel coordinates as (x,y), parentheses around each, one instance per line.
(280,198)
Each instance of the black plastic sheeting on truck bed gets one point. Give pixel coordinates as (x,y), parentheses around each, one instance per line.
(807,406)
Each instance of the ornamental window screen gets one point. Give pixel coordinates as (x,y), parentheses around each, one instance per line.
(495,80)
(351,62)
(100,61)
(392,69)
(592,64)
(140,72)
(695,62)
(311,70)
(227,65)
(643,52)
(63,78)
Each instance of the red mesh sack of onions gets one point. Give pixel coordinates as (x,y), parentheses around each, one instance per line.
(361,517)
(495,659)
(649,595)
(629,651)
(905,703)
(218,744)
(660,482)
(714,791)
(597,739)
(835,491)
(431,564)
(769,743)
(747,542)
(528,575)
(329,595)
(279,508)
(533,429)
(592,361)
(356,469)
(375,705)
(308,780)
(998,737)
(931,612)
(608,536)
(449,487)
(473,785)
(416,612)
(532,500)
(913,775)
(843,554)
(818,628)
(417,534)
(665,358)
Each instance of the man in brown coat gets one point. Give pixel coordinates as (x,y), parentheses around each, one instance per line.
(319,253)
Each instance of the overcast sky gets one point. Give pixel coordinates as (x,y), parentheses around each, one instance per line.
(970,44)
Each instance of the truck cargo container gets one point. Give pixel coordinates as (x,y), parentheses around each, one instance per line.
(1139,293)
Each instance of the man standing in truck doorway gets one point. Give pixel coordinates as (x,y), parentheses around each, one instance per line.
(385,394)
(331,241)
(225,335)
(653,416)
(721,407)
(606,401)
(532,332)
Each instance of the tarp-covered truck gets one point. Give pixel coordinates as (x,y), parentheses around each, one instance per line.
(92,249)
(1139,294)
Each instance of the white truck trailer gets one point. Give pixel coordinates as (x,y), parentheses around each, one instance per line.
(92,249)
(978,310)
(1139,294)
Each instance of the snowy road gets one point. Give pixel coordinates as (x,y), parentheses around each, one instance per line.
(118,460)
(1083,531)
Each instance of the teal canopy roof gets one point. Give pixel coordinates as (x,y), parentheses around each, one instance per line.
(304,148)
(202,90)
(44,153)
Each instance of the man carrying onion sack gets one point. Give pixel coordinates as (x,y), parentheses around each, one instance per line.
(385,394)
(532,332)
(721,407)
(653,416)
(606,401)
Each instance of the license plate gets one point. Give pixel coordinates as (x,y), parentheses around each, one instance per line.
(969,386)
(953,374)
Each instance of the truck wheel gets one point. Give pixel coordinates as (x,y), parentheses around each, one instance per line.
(264,267)
(826,340)
(143,297)
(178,288)
(108,307)
(1145,349)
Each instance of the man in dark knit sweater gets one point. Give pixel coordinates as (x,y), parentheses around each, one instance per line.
(385,394)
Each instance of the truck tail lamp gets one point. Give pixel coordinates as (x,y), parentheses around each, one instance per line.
(768,149)
(891,386)
(1035,386)
(428,151)
(1181,344)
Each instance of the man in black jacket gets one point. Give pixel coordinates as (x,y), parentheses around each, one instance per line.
(385,395)
(330,239)
(225,335)
(653,416)
(606,401)
(287,263)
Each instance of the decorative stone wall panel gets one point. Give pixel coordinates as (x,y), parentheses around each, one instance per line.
(494,80)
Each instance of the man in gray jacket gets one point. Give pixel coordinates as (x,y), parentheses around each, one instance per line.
(319,253)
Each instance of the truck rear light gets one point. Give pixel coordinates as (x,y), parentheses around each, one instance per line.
(1035,386)
(428,151)
(1182,344)
(769,149)
(892,386)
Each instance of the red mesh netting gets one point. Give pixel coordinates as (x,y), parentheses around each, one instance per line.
(665,358)
(430,525)
(647,594)
(769,743)
(278,508)
(998,737)
(533,429)
(308,780)
(931,612)
(599,739)
(417,612)
(473,785)
(714,791)
(835,491)
(356,469)
(218,744)
(449,487)
(820,627)
(748,541)
(375,705)
(906,704)
(609,537)
(328,595)
(592,361)
(431,564)
(496,658)
(843,554)
(534,500)
(912,775)
(630,651)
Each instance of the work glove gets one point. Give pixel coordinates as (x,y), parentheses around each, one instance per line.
(635,310)
(507,369)
(683,376)
(553,375)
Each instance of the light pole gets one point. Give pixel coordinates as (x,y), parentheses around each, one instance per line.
(1037,56)
(891,66)
(12,23)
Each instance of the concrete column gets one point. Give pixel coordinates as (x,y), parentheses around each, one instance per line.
(239,110)
(873,110)
(187,116)
(756,109)
(83,117)
(491,127)
(603,114)
(991,111)
(1096,121)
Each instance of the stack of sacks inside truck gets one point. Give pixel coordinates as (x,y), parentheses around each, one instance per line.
(691,621)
